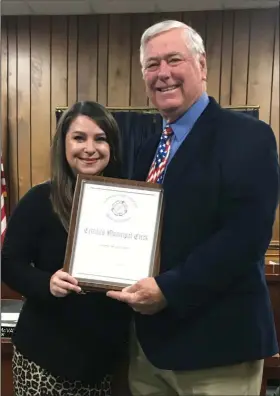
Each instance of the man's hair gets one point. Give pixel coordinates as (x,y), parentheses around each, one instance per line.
(193,40)
(62,177)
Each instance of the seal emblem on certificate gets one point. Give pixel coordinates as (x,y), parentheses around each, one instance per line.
(114,232)
(119,208)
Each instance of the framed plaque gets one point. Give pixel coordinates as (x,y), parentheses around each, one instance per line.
(114,232)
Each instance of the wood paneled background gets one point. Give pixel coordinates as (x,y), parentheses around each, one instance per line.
(53,61)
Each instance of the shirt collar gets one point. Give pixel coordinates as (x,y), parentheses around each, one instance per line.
(185,123)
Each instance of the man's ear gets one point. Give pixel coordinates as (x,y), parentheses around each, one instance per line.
(203,66)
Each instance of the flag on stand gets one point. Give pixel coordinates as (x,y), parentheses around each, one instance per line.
(3,209)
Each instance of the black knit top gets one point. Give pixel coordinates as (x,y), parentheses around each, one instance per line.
(79,337)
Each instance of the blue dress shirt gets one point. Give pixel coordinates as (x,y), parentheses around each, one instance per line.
(183,125)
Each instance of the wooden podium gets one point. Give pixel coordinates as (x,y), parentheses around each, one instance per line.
(6,367)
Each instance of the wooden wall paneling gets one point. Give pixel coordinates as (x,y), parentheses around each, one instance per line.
(186,18)
(226,58)
(72,59)
(119,60)
(4,102)
(98,57)
(164,16)
(198,21)
(261,60)
(87,57)
(12,113)
(40,98)
(6,85)
(240,57)
(102,67)
(23,105)
(213,51)
(274,116)
(138,96)
(58,66)
(177,16)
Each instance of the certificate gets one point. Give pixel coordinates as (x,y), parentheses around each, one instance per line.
(114,232)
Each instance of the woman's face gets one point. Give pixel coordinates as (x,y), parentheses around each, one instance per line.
(86,147)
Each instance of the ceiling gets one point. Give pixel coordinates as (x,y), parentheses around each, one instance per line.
(79,7)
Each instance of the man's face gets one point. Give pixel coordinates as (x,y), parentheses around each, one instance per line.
(174,76)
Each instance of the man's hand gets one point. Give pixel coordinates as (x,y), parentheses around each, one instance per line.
(144,296)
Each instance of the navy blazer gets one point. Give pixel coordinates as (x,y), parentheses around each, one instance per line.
(221,194)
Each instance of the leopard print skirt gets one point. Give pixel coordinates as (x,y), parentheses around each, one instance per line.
(32,380)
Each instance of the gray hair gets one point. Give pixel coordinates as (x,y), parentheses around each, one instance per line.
(193,39)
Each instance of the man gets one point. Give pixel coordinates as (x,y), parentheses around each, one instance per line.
(204,325)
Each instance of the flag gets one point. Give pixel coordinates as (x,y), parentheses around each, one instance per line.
(3,209)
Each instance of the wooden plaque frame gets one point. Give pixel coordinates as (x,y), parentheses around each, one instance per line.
(82,180)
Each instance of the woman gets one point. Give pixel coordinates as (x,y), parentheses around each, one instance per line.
(65,342)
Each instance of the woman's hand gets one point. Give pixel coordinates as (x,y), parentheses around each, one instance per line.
(62,284)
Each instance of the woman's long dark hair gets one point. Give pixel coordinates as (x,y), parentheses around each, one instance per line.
(62,177)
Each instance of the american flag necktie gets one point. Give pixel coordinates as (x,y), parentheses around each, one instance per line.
(158,166)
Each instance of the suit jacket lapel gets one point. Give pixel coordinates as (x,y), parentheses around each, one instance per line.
(195,143)
(192,146)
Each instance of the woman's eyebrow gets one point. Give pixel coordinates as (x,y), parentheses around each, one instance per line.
(81,132)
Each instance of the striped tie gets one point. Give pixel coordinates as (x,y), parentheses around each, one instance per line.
(158,167)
